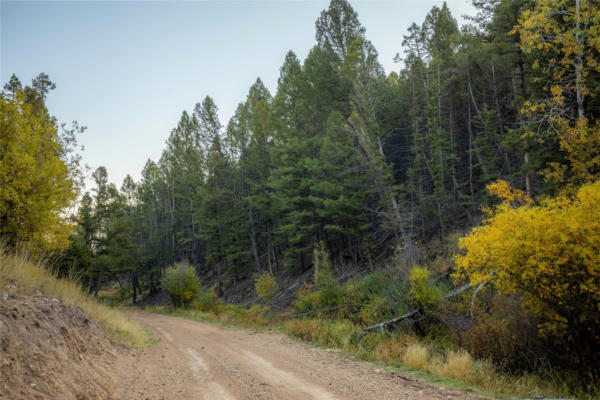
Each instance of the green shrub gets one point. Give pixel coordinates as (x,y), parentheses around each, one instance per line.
(423,291)
(337,334)
(376,310)
(265,285)
(323,276)
(206,300)
(255,315)
(326,292)
(182,284)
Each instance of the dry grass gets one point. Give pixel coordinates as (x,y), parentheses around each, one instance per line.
(458,366)
(28,274)
(415,356)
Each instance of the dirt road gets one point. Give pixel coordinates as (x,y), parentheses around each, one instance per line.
(197,360)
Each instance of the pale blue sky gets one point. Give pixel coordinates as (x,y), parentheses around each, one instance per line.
(127,70)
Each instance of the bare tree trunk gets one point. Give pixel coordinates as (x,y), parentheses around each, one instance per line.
(172,212)
(269,248)
(439,125)
(392,198)
(579,63)
(499,113)
(477,152)
(527,155)
(528,187)
(470,129)
(253,240)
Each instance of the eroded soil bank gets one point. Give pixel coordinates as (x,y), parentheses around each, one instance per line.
(50,350)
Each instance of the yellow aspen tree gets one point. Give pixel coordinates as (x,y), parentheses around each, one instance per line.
(564,37)
(551,253)
(35,182)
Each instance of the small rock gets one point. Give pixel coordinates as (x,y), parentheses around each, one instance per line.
(377,371)
(45,309)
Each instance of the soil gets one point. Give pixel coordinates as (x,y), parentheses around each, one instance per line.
(50,350)
(196,360)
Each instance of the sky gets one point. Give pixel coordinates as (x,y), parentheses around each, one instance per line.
(127,69)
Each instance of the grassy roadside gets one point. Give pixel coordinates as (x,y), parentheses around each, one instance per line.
(452,369)
(28,274)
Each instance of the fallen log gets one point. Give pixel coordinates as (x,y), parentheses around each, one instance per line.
(384,324)
(321,310)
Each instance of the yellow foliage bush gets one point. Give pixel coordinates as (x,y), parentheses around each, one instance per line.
(265,285)
(422,289)
(551,252)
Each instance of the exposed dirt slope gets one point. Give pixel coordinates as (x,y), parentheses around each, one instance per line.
(49,350)
(204,361)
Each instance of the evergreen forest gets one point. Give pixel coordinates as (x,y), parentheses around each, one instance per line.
(463,186)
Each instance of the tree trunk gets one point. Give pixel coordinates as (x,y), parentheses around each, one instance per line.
(470,130)
(477,152)
(253,240)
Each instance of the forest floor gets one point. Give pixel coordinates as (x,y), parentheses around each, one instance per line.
(197,360)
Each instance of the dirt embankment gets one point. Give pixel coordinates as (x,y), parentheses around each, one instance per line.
(50,350)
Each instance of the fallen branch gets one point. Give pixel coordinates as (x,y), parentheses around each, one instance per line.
(474,296)
(458,291)
(323,310)
(384,324)
(283,292)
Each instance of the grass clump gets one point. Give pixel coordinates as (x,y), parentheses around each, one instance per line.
(208,307)
(29,274)
(415,356)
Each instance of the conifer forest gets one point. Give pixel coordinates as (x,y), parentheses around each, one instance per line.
(459,194)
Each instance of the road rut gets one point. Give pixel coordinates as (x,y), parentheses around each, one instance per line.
(196,360)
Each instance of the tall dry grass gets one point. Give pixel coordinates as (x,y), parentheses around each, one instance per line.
(28,274)
(482,374)
(409,351)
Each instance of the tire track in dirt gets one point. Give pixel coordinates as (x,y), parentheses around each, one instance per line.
(205,361)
